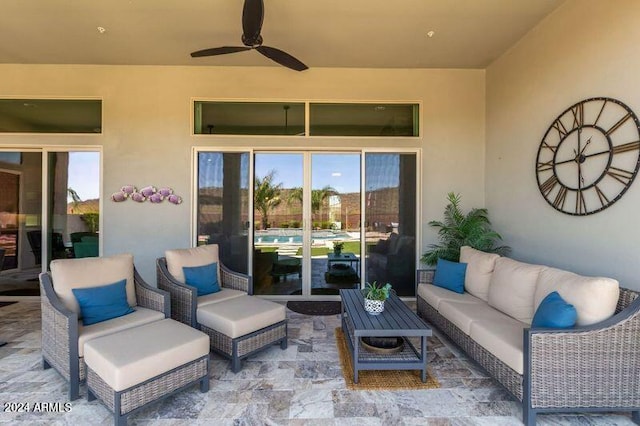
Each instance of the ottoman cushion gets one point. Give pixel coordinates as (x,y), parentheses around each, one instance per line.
(240,315)
(132,356)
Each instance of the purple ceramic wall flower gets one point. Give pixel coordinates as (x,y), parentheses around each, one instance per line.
(147,191)
(174,199)
(119,196)
(128,189)
(138,197)
(156,198)
(165,192)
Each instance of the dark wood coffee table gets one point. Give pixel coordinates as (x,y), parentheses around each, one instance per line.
(397,320)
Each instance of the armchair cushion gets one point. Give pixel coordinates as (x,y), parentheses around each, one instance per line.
(197,256)
(102,303)
(204,278)
(67,274)
(554,312)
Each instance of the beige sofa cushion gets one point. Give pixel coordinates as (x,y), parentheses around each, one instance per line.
(435,295)
(595,298)
(197,256)
(140,316)
(503,337)
(151,350)
(480,267)
(512,287)
(220,296)
(463,315)
(67,274)
(240,315)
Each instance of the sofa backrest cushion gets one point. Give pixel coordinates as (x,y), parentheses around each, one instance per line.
(197,256)
(512,288)
(480,267)
(595,298)
(67,274)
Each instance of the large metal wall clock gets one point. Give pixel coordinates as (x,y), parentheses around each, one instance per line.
(589,156)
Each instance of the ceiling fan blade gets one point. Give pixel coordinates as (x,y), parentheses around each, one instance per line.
(252,17)
(218,51)
(283,58)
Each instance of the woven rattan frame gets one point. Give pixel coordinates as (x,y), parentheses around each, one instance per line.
(243,346)
(126,402)
(60,329)
(595,368)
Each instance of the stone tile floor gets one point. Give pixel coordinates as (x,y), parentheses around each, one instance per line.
(301,385)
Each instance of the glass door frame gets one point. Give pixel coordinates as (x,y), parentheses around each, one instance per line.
(307,222)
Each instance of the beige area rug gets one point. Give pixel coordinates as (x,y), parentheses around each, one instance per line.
(379,379)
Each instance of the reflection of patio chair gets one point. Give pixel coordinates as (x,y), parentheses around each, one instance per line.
(76,237)
(286,266)
(58,250)
(1,258)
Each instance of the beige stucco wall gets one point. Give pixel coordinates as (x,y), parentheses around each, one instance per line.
(147,135)
(586,48)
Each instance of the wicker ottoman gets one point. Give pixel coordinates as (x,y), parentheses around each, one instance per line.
(242,326)
(132,368)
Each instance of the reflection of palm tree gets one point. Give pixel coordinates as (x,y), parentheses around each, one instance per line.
(75,198)
(266,196)
(318,196)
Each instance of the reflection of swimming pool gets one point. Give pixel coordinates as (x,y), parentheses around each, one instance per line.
(294,236)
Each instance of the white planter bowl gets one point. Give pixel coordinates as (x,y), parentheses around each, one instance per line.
(374,307)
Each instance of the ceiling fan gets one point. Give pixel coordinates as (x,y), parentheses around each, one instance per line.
(252,17)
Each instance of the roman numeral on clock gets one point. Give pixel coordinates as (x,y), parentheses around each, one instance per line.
(621,175)
(578,115)
(548,185)
(618,124)
(603,198)
(544,166)
(581,207)
(558,202)
(631,146)
(559,126)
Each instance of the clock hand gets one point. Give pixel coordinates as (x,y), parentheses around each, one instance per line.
(585,145)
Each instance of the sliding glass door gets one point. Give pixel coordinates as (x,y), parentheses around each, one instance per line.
(39,224)
(305,227)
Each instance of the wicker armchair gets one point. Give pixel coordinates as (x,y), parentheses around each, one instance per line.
(62,330)
(237,323)
(590,368)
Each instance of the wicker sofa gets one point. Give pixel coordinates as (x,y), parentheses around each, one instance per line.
(594,366)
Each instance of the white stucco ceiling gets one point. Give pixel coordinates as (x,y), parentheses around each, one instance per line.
(321,33)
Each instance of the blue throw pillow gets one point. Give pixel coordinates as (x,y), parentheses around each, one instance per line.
(450,275)
(102,303)
(554,312)
(204,278)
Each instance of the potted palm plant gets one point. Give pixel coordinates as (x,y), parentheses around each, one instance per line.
(458,229)
(337,247)
(374,297)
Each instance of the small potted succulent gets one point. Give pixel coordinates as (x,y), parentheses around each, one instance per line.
(374,296)
(337,247)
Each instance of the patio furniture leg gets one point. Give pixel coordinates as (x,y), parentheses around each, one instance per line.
(635,417)
(74,389)
(45,364)
(204,384)
(90,395)
(283,344)
(528,415)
